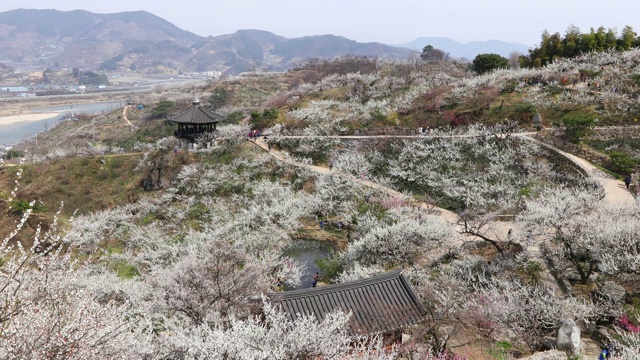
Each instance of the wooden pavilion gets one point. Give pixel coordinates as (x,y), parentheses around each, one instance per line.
(383,304)
(195,122)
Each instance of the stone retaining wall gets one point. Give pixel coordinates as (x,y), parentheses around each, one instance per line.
(615,132)
(551,137)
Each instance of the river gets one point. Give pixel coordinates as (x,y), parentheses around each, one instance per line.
(18,131)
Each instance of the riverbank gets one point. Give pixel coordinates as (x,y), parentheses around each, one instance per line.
(20,123)
(24,118)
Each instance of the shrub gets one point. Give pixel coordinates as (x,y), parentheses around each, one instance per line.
(577,126)
(20,206)
(331,267)
(531,272)
(218,98)
(162,109)
(263,119)
(486,62)
(235,117)
(12,154)
(625,322)
(622,163)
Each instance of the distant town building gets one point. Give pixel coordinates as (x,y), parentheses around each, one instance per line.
(213,74)
(15,88)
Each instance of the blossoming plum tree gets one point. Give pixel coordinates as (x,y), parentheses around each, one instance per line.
(482,174)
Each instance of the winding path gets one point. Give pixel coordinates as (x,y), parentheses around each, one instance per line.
(126,118)
(362,137)
(280,155)
(615,191)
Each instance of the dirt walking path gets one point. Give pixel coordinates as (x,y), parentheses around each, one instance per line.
(283,156)
(362,137)
(126,118)
(615,190)
(448,216)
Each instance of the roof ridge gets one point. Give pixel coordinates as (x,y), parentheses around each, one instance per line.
(336,287)
(192,113)
(181,113)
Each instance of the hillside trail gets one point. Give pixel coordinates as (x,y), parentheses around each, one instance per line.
(425,136)
(448,216)
(615,191)
(126,118)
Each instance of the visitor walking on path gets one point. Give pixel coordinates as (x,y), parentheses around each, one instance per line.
(627,180)
(315,279)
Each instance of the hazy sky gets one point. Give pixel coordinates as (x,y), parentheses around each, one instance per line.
(387,21)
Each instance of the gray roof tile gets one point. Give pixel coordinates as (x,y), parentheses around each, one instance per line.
(379,304)
(197,114)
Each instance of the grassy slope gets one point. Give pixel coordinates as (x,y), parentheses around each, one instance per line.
(85,184)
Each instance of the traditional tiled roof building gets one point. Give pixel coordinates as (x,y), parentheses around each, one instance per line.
(195,121)
(380,305)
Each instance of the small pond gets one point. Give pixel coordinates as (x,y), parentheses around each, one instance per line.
(306,252)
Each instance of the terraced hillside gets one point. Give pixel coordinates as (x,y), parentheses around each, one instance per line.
(455,178)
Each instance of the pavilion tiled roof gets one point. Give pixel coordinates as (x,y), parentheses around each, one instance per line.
(379,304)
(196,114)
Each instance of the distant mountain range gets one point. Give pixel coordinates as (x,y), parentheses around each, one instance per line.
(467,50)
(143,42)
(140,41)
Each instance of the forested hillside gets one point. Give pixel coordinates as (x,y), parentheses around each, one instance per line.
(575,43)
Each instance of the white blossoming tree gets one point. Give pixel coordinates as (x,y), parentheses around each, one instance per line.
(482,175)
(397,240)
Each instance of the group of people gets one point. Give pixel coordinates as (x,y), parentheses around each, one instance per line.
(254,134)
(316,277)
